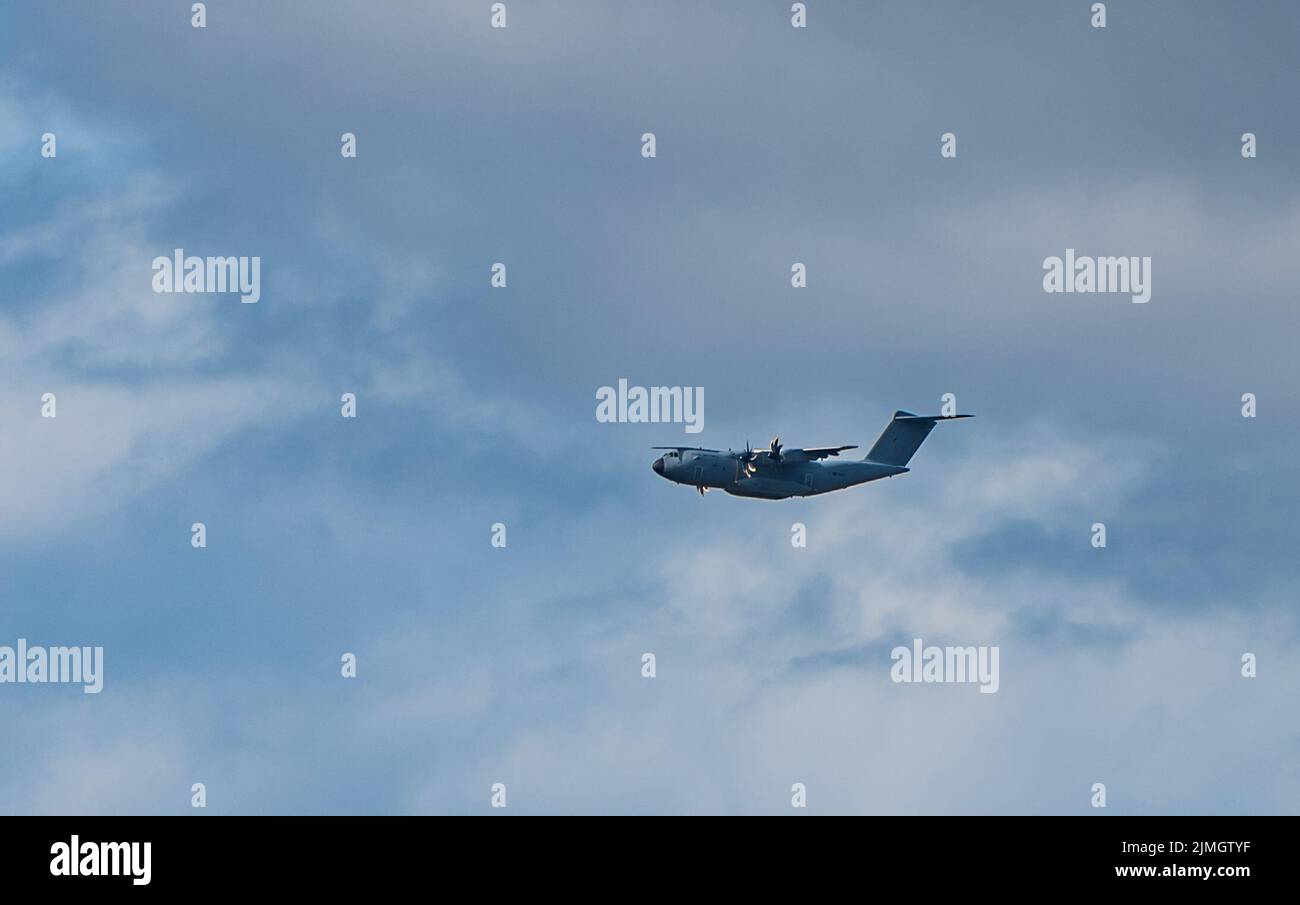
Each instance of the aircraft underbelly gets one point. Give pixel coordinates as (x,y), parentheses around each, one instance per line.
(769,488)
(736,490)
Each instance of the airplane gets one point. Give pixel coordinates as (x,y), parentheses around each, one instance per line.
(777,473)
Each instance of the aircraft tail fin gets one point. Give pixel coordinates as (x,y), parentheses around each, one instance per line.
(903,436)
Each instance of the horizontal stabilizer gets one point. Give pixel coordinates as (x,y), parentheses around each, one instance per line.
(908,416)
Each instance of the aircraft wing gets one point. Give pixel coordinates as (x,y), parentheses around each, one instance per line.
(687,448)
(821,452)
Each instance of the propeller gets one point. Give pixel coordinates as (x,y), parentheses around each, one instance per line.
(749,458)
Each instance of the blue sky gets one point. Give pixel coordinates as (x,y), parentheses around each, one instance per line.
(480,665)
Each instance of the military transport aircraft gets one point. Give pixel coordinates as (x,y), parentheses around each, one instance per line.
(776,473)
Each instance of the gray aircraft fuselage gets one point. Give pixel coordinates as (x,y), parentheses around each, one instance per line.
(774,481)
(774,474)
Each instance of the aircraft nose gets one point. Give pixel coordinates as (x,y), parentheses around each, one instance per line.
(658,466)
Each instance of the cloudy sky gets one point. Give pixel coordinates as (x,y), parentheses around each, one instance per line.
(522,665)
